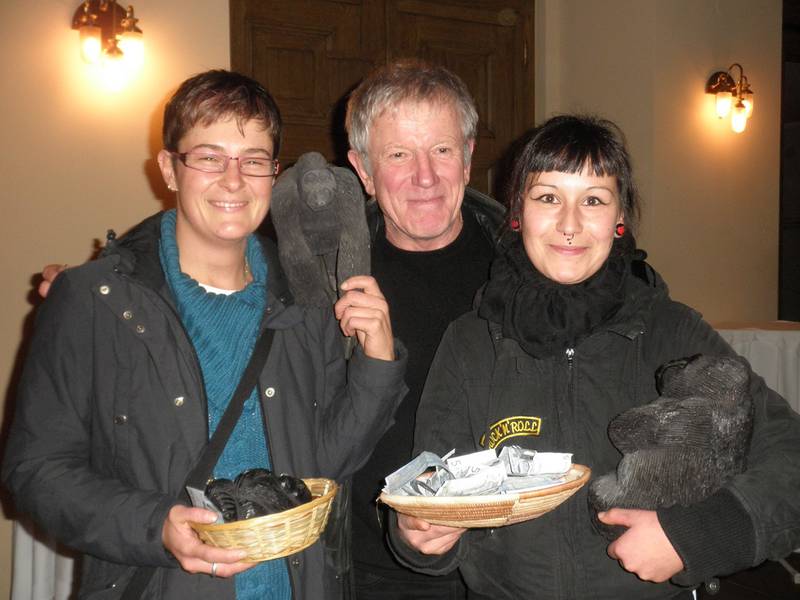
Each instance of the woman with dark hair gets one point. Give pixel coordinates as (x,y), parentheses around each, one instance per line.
(568,333)
(136,356)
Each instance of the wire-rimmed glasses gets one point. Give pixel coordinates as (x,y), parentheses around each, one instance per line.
(213,162)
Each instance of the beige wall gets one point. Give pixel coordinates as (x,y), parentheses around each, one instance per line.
(77,160)
(710,220)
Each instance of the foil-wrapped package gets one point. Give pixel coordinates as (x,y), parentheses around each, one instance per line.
(407,479)
(521,461)
(478,480)
(479,473)
(466,464)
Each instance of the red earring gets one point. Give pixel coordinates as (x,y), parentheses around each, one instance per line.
(619,230)
(514,223)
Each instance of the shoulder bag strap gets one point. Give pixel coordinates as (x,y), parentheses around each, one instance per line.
(208,459)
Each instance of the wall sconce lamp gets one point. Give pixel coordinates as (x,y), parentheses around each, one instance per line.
(108,32)
(732,97)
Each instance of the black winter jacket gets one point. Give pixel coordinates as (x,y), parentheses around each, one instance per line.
(478,379)
(111,416)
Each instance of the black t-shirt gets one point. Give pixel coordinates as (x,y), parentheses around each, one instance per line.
(426,291)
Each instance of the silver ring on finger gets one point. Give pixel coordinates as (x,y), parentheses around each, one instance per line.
(214,569)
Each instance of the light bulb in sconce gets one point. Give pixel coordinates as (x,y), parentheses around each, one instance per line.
(739,117)
(724,101)
(131,40)
(91,35)
(132,46)
(114,69)
(91,44)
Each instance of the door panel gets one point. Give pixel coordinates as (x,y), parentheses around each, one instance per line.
(311,53)
(308,53)
(478,44)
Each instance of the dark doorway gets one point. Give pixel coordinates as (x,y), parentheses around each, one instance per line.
(789,271)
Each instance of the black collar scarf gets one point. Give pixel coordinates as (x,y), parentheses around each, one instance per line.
(546,317)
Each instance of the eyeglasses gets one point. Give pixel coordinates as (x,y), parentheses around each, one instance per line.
(210,162)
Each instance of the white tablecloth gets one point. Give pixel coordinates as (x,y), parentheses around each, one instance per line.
(773,349)
(41,570)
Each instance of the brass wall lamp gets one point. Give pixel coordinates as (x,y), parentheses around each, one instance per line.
(734,97)
(107,31)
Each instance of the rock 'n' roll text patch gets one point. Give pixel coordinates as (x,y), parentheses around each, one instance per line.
(511,427)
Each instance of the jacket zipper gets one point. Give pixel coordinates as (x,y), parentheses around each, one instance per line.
(569,353)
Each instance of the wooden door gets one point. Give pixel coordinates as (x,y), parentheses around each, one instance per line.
(311,53)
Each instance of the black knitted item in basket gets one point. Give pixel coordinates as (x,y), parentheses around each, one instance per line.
(256,493)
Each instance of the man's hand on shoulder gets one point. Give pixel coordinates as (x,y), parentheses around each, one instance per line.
(49,274)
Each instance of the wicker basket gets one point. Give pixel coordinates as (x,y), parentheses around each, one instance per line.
(489,511)
(278,535)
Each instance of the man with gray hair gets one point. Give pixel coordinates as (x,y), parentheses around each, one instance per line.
(412,129)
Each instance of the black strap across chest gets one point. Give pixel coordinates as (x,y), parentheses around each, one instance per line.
(202,470)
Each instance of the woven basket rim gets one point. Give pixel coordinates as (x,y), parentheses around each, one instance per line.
(299,510)
(581,474)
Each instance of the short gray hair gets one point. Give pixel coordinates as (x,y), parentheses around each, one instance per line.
(407,80)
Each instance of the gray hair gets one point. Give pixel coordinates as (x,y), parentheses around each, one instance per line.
(407,80)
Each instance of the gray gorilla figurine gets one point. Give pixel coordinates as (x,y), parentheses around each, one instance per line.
(318,213)
(683,446)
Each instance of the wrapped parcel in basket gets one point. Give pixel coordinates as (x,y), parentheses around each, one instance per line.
(267,515)
(483,489)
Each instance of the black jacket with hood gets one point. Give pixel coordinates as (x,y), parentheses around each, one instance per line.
(479,379)
(111,416)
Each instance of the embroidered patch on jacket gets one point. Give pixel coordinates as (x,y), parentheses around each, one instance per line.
(511,427)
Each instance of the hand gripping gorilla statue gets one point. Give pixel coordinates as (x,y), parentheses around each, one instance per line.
(683,446)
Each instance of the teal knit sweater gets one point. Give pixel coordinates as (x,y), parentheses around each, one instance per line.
(223,330)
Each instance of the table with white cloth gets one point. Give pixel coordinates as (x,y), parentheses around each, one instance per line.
(41,570)
(773,350)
